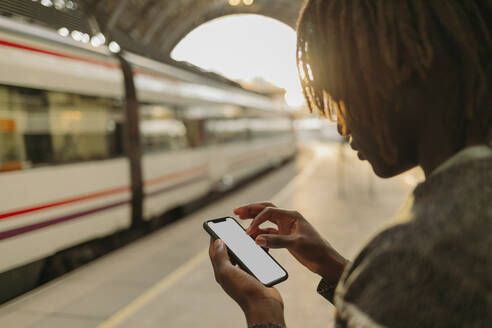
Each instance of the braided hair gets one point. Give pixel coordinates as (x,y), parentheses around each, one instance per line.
(361,52)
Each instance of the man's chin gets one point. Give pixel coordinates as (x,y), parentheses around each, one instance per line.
(386,171)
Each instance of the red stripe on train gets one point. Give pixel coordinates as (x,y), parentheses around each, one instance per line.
(64,202)
(176,175)
(161,179)
(82,59)
(56,54)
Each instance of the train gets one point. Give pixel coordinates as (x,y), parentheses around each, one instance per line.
(92,143)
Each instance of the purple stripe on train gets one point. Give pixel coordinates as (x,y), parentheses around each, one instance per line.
(18,231)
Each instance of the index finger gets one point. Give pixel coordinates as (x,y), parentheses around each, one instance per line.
(251,210)
(272,214)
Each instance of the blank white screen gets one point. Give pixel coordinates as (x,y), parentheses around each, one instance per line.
(252,255)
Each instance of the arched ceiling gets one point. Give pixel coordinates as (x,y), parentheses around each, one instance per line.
(159,25)
(151,28)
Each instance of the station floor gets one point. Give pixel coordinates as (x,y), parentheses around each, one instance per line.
(166,280)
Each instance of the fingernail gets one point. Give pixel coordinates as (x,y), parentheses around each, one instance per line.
(219,244)
(261,242)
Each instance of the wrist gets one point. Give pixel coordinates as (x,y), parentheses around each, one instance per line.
(266,310)
(331,270)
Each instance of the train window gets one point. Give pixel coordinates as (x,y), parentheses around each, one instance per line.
(11,147)
(270,127)
(39,127)
(160,130)
(11,156)
(196,134)
(228,130)
(83,128)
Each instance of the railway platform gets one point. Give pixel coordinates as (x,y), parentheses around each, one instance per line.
(166,280)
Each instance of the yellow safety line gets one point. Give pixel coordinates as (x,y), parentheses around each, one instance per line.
(154,291)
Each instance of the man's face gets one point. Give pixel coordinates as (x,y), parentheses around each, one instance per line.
(370,142)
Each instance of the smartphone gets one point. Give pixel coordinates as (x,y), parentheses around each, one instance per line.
(244,251)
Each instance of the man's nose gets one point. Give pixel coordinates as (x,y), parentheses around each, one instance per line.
(341,128)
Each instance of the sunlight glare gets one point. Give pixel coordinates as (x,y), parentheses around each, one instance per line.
(244,47)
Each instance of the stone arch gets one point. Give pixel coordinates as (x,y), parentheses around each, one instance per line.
(160,25)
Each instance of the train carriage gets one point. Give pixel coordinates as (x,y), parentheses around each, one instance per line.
(65,167)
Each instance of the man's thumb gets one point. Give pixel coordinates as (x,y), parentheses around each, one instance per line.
(221,257)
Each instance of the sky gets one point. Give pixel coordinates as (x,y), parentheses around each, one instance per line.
(242,47)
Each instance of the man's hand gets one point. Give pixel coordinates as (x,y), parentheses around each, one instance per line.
(297,235)
(259,303)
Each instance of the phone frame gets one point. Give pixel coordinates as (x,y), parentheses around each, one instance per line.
(235,258)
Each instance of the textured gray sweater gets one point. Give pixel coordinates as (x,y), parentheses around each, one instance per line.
(434,267)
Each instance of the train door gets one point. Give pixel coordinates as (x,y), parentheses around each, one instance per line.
(175,159)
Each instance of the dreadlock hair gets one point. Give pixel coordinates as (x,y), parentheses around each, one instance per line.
(361,52)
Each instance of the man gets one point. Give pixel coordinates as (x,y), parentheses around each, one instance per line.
(409,83)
